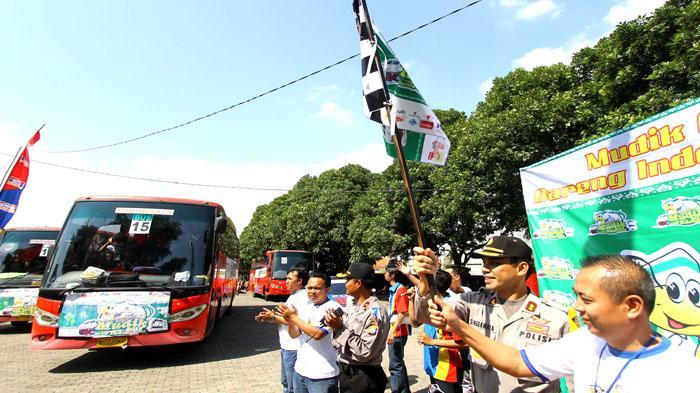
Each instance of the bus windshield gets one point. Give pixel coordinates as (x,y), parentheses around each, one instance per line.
(285,260)
(23,255)
(141,244)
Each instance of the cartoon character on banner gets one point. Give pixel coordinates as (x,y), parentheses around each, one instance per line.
(675,270)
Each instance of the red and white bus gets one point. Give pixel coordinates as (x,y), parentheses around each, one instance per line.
(133,271)
(23,254)
(268,277)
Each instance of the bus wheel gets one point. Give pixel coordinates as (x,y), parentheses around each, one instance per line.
(267,297)
(20,324)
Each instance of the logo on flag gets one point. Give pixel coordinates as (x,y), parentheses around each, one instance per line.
(392,99)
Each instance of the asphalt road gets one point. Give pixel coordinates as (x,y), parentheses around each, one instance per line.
(239,356)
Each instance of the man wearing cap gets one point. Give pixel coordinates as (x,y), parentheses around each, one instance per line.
(360,335)
(504,310)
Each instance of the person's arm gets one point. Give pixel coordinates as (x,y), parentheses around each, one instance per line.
(297,325)
(407,272)
(500,356)
(412,307)
(427,340)
(269,316)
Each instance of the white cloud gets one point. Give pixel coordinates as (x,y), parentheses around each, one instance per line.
(539,8)
(485,86)
(51,191)
(547,56)
(333,111)
(531,10)
(631,9)
(320,91)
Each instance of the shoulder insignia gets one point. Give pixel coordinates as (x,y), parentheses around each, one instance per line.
(531,306)
(372,329)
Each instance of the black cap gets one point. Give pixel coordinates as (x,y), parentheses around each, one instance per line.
(504,246)
(361,271)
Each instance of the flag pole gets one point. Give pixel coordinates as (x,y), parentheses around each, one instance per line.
(9,168)
(415,214)
(397,135)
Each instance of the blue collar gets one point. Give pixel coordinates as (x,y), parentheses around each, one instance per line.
(394,287)
(663,345)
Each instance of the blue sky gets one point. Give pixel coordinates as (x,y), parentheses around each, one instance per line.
(101,71)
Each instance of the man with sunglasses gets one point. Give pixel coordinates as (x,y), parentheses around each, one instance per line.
(504,310)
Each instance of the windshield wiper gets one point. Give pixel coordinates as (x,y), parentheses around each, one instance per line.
(63,292)
(4,284)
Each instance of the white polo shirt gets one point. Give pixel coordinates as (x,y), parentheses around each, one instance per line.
(298,300)
(316,359)
(594,364)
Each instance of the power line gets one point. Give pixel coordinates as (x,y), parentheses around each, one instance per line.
(224,186)
(150,134)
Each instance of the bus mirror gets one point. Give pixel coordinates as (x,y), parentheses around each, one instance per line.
(220,224)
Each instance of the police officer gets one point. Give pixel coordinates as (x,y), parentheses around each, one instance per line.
(360,335)
(504,310)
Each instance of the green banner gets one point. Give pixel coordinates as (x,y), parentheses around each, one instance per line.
(634,192)
(114,314)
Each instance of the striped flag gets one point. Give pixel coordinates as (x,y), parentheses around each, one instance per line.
(15,181)
(386,84)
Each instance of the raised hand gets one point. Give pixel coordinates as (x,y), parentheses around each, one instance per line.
(403,268)
(265,315)
(425,262)
(335,322)
(286,312)
(441,313)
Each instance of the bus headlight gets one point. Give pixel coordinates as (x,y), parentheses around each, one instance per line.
(188,314)
(45,318)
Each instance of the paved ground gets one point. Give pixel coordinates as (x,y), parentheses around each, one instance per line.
(239,356)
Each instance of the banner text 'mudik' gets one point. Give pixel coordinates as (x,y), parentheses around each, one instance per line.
(653,139)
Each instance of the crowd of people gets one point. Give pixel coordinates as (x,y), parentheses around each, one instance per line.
(500,338)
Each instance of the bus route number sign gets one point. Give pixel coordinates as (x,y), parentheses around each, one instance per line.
(141,224)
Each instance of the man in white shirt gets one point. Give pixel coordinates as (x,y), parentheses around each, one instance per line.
(618,352)
(296,281)
(316,370)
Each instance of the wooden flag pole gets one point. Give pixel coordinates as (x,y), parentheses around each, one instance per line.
(415,215)
(397,135)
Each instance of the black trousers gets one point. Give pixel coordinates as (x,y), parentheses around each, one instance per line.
(361,379)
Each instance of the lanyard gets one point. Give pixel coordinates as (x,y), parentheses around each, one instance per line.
(638,354)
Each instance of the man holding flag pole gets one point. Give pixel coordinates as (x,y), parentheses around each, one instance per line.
(411,130)
(14,181)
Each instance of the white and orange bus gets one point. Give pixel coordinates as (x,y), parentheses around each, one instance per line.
(133,271)
(268,277)
(23,254)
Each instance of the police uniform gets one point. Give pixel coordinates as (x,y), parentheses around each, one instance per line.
(360,344)
(534,323)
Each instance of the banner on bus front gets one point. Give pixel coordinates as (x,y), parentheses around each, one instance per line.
(18,302)
(634,192)
(114,314)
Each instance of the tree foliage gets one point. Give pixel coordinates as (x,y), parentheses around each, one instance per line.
(643,67)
